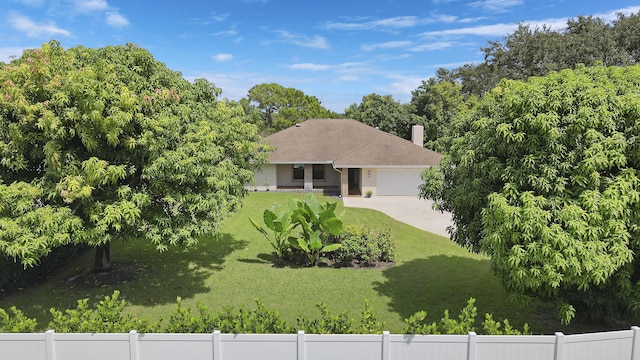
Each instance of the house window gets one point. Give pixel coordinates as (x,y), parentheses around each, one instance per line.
(298,172)
(318,172)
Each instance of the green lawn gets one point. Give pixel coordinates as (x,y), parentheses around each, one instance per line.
(233,269)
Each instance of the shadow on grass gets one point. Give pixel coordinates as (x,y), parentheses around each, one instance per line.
(143,275)
(262,259)
(179,272)
(444,282)
(271,259)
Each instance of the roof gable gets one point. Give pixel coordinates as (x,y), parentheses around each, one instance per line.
(346,142)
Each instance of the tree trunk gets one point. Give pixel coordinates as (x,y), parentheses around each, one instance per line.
(102,262)
(269,119)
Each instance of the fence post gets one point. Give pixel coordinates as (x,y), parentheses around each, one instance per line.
(51,349)
(300,345)
(386,350)
(635,345)
(559,350)
(471,345)
(133,345)
(216,345)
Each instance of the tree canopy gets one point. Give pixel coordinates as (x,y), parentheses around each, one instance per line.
(383,112)
(97,144)
(527,51)
(282,107)
(535,51)
(439,103)
(545,178)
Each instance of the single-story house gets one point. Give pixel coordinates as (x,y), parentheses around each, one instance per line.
(346,156)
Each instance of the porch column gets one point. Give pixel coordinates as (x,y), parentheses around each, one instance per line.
(308,177)
(344,182)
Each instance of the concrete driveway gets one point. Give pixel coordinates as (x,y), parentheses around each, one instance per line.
(407,209)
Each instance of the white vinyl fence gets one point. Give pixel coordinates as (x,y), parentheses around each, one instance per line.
(614,345)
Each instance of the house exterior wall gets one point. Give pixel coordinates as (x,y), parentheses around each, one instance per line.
(265,179)
(383,181)
(308,177)
(344,182)
(368,183)
(284,177)
(331,177)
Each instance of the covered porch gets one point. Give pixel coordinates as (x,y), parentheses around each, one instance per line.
(323,178)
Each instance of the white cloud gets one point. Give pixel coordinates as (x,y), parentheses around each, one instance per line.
(198,21)
(613,15)
(470,20)
(226,33)
(347,72)
(456,64)
(9,53)
(496,5)
(32,29)
(229,34)
(235,85)
(443,19)
(348,78)
(85,6)
(314,42)
(343,67)
(402,87)
(112,17)
(222,57)
(482,30)
(386,45)
(392,23)
(394,56)
(115,19)
(502,29)
(219,17)
(30,2)
(554,24)
(398,22)
(309,66)
(438,45)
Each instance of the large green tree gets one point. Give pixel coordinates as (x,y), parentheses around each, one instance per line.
(385,113)
(282,107)
(536,51)
(626,31)
(99,144)
(526,52)
(545,178)
(440,103)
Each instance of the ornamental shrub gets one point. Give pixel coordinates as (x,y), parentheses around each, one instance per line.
(109,316)
(364,246)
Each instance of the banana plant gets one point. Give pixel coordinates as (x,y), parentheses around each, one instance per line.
(313,246)
(280,223)
(318,223)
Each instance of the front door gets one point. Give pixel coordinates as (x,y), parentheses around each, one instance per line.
(354,182)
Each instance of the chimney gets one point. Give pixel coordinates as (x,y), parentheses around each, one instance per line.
(417,135)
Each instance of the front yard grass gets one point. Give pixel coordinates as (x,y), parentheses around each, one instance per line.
(431,273)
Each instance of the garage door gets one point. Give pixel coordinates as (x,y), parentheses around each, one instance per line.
(398,182)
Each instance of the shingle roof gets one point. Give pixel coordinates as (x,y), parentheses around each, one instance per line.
(346,143)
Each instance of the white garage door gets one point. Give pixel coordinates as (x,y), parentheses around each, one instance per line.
(398,182)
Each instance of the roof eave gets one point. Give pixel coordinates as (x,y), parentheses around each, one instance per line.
(385,166)
(298,162)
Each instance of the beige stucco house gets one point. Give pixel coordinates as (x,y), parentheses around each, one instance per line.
(346,156)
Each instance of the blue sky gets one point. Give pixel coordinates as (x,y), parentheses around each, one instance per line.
(338,51)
